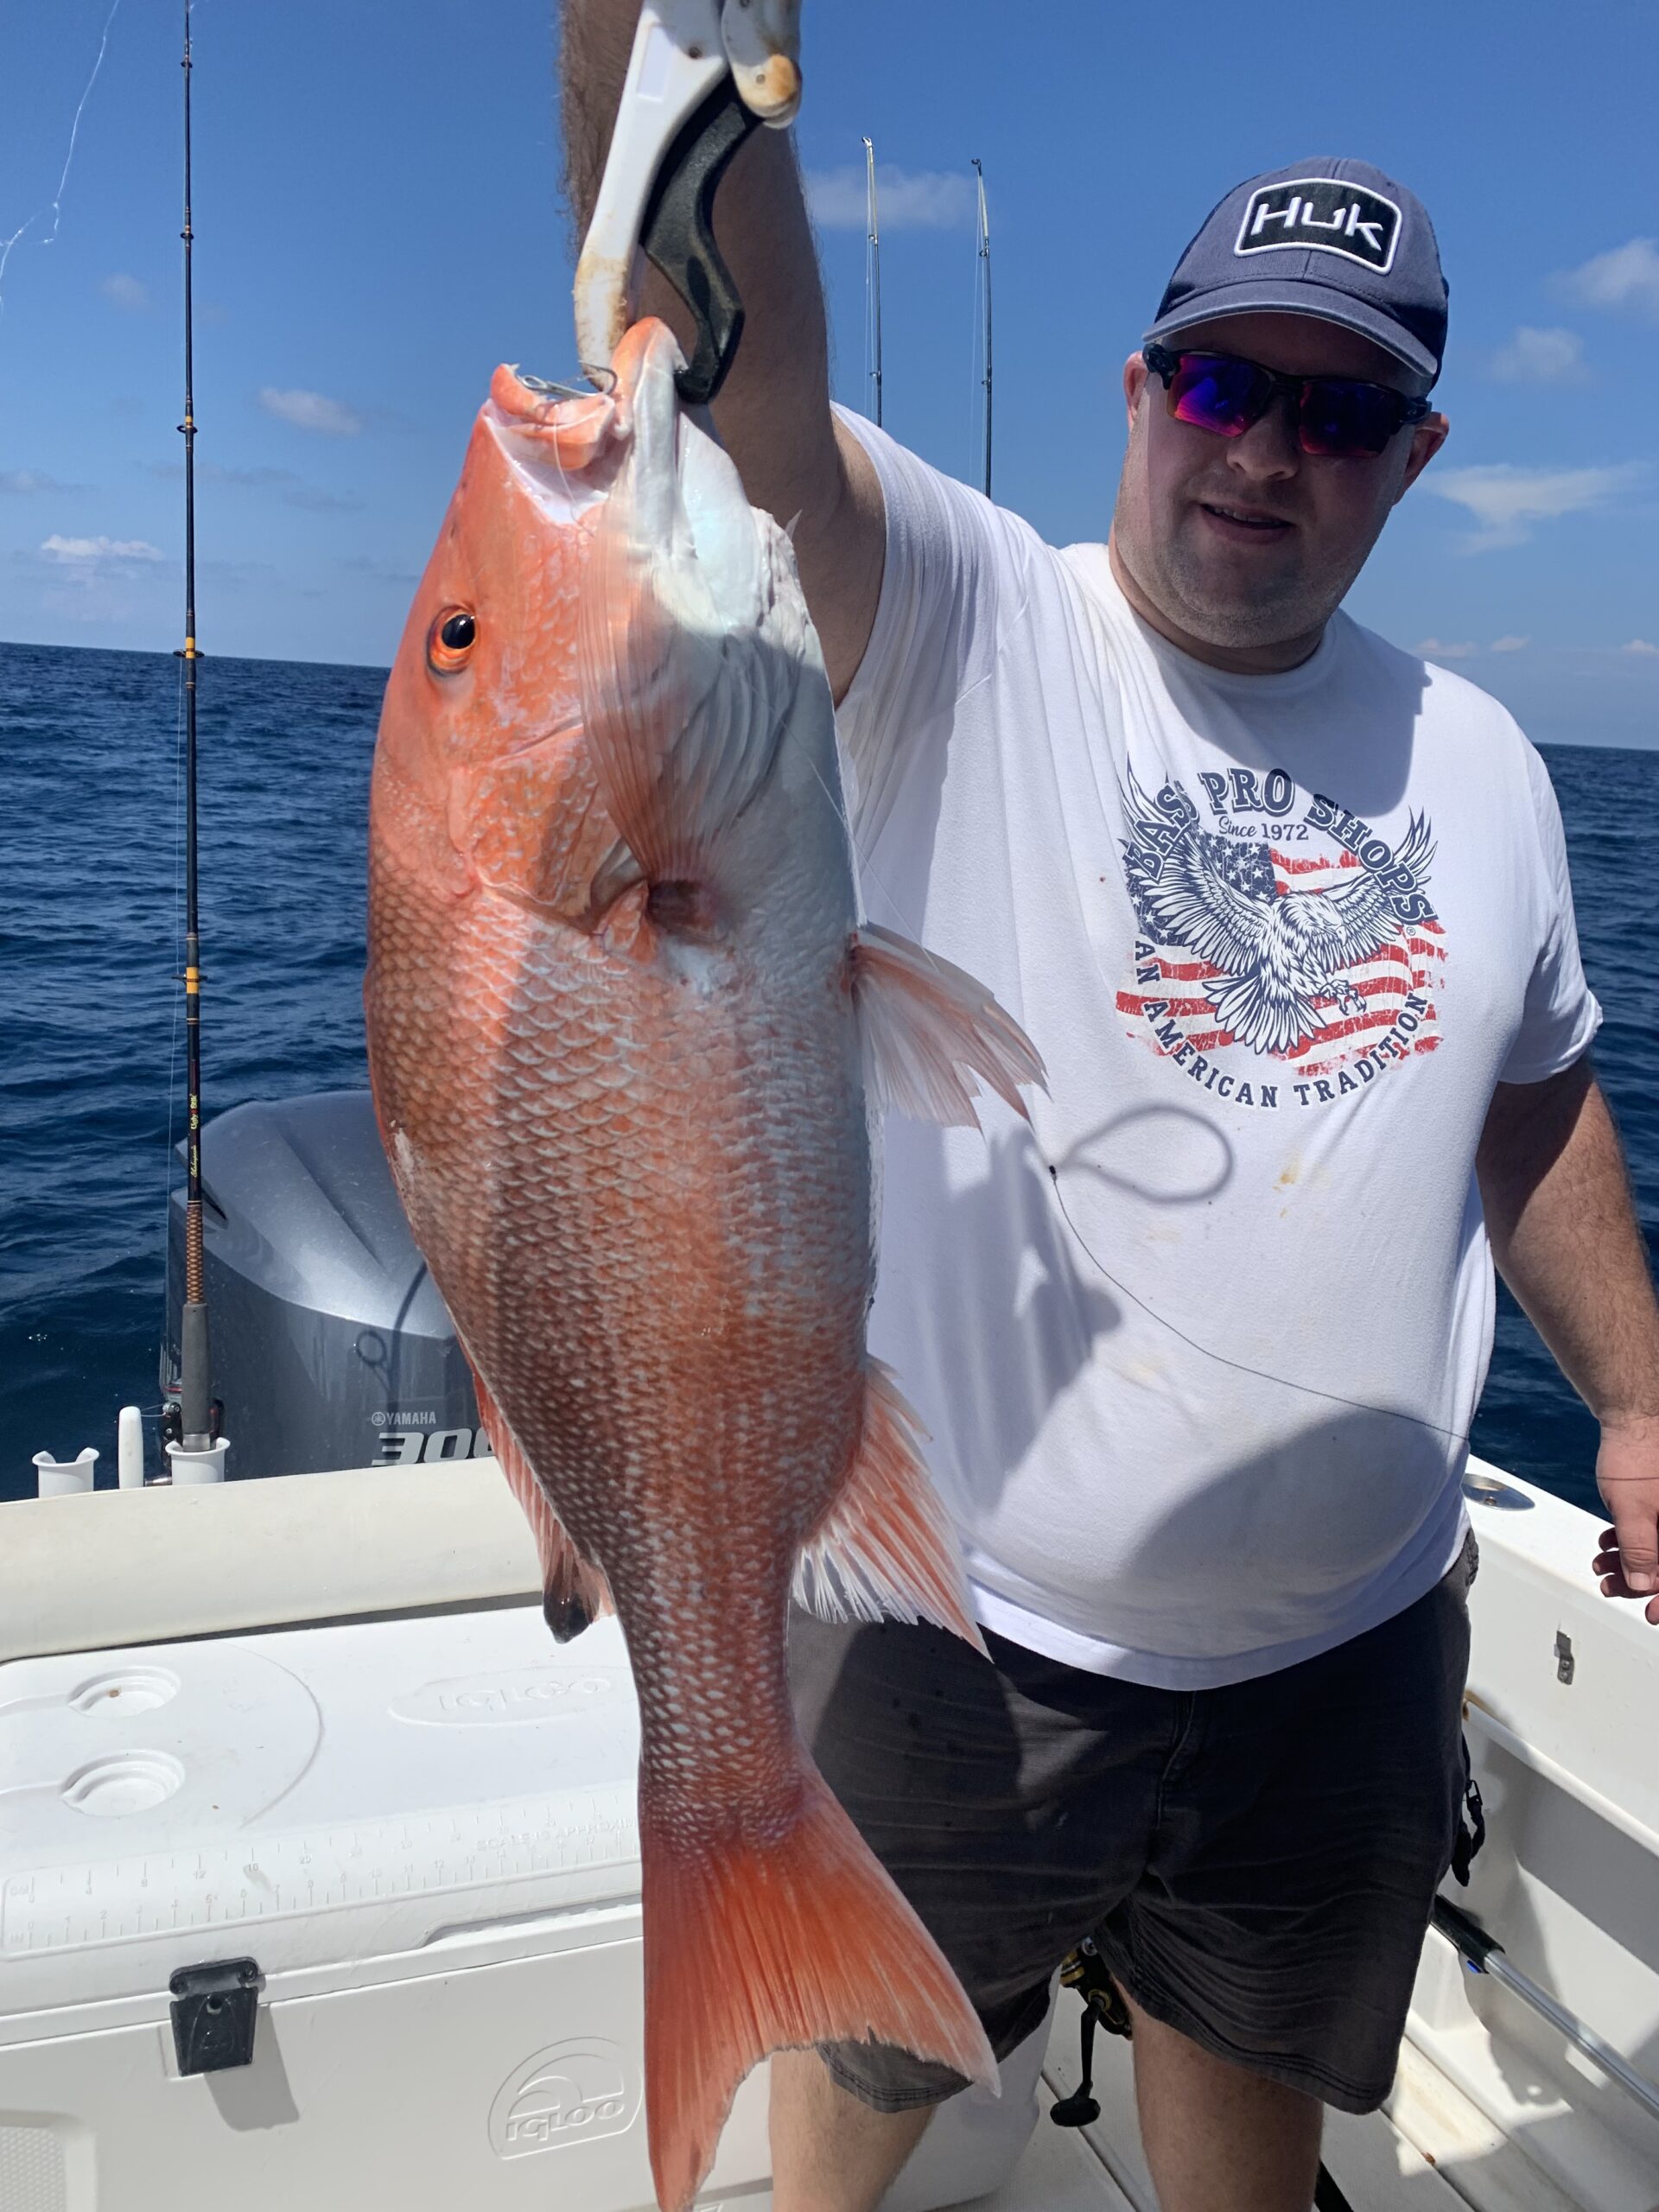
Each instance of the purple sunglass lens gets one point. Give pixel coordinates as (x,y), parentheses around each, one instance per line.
(1215,392)
(1343,421)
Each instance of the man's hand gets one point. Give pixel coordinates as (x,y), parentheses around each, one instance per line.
(1565,1236)
(1627,1474)
(773,411)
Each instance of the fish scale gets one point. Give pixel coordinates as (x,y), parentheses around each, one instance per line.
(623,1026)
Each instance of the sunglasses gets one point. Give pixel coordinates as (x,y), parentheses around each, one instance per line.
(1338,418)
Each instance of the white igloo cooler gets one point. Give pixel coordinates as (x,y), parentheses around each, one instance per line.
(420,1831)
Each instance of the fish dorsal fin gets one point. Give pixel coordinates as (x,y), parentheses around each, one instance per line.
(931,1034)
(885,1546)
(684,698)
(574,1594)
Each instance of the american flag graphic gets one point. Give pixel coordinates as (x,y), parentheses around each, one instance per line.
(1295,951)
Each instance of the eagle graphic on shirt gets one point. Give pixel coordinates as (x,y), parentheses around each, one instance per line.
(1273,951)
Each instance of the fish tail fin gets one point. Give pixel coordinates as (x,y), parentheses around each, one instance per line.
(885,1546)
(755,1945)
(932,1034)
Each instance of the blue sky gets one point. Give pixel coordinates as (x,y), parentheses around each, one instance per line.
(378,222)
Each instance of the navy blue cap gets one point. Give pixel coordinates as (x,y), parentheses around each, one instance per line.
(1333,238)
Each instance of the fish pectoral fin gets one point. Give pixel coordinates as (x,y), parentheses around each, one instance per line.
(887,1546)
(573,1593)
(756,1944)
(931,1034)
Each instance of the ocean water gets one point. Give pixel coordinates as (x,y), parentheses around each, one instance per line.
(91,1068)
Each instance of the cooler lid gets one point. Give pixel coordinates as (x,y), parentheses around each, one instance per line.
(305,1796)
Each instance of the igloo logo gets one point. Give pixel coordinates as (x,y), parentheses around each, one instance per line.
(569,2093)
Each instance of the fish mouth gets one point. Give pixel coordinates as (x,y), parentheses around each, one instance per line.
(555,442)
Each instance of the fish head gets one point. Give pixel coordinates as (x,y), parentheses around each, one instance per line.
(507,757)
(479,778)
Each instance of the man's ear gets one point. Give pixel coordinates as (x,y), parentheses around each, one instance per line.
(1430,435)
(1136,374)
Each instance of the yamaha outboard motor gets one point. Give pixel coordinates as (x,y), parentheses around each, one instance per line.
(331,1346)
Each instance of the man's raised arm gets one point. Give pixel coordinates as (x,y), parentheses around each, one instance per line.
(773,412)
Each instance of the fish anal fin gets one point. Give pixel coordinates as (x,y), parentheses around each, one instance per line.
(932,1034)
(755,1945)
(885,1547)
(573,1593)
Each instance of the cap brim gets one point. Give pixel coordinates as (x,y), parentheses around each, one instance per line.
(1290,297)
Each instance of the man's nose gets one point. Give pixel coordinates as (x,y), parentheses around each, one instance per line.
(1269,449)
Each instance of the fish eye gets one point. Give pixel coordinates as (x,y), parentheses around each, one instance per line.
(450,640)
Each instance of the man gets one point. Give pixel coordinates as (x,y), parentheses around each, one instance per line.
(1287,911)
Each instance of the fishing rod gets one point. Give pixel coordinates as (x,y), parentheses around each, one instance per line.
(872,275)
(195,1406)
(985,258)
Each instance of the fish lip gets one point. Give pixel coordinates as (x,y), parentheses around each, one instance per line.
(522,407)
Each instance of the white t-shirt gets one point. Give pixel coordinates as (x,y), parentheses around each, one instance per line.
(1200,1349)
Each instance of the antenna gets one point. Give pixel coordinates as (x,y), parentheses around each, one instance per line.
(985,260)
(194,1399)
(873,279)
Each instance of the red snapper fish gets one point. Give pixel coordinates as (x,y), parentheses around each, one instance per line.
(626,1037)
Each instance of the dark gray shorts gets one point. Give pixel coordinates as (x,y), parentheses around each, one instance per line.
(1257,1862)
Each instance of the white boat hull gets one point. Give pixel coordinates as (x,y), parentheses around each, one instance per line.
(415,1815)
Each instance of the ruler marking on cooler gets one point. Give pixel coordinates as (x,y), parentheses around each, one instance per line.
(370,1862)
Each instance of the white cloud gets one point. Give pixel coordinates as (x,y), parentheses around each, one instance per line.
(311,411)
(1533,356)
(91,552)
(1507,501)
(20,482)
(1640,646)
(91,575)
(906,199)
(1628,277)
(126,293)
(1510,645)
(1438,649)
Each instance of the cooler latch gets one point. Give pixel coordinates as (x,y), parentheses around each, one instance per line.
(214,2011)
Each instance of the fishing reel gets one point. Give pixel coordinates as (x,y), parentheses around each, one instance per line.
(170,1425)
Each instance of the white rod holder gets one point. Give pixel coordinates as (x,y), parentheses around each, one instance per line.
(207,1467)
(65,1477)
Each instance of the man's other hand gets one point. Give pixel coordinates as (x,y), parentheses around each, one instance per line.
(1567,1242)
(1627,1474)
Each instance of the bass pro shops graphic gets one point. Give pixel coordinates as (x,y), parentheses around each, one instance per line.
(1288,942)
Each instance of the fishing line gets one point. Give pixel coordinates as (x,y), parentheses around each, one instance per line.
(1220,1359)
(1456,1437)
(869,873)
(55,204)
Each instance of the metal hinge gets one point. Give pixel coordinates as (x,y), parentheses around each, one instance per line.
(1564,1661)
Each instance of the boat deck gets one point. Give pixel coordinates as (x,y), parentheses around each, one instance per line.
(1100,2168)
(452,1913)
